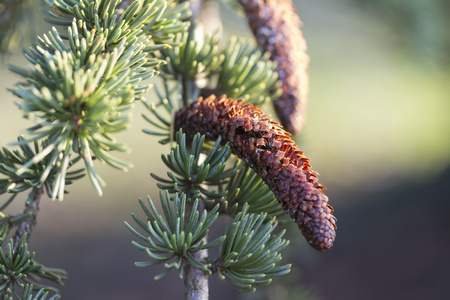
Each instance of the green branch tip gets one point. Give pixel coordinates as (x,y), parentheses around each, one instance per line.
(173,237)
(80,92)
(250,252)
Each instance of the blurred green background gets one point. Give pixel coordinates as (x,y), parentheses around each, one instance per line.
(377,131)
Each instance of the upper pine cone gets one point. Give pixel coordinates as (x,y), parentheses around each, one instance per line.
(276,27)
(269,150)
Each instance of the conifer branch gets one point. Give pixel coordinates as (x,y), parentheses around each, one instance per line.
(195,172)
(195,280)
(250,254)
(79,94)
(163,241)
(80,86)
(79,89)
(175,240)
(18,268)
(31,209)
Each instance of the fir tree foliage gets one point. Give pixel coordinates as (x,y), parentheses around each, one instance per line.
(191,168)
(248,73)
(79,89)
(241,71)
(178,237)
(11,161)
(250,253)
(159,20)
(198,169)
(192,60)
(80,93)
(18,268)
(162,112)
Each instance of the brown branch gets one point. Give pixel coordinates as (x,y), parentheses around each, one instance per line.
(27,225)
(268,149)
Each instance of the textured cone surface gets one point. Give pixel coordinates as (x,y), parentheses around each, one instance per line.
(276,27)
(269,150)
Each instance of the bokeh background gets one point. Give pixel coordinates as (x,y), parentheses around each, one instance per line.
(378,132)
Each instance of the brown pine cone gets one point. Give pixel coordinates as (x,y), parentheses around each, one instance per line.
(276,27)
(269,150)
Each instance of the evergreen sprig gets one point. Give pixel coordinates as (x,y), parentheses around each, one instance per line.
(79,90)
(250,252)
(192,60)
(161,112)
(12,161)
(249,255)
(189,172)
(248,73)
(81,93)
(18,268)
(160,20)
(78,106)
(178,237)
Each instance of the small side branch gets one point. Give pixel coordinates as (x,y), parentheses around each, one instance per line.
(27,225)
(196,281)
